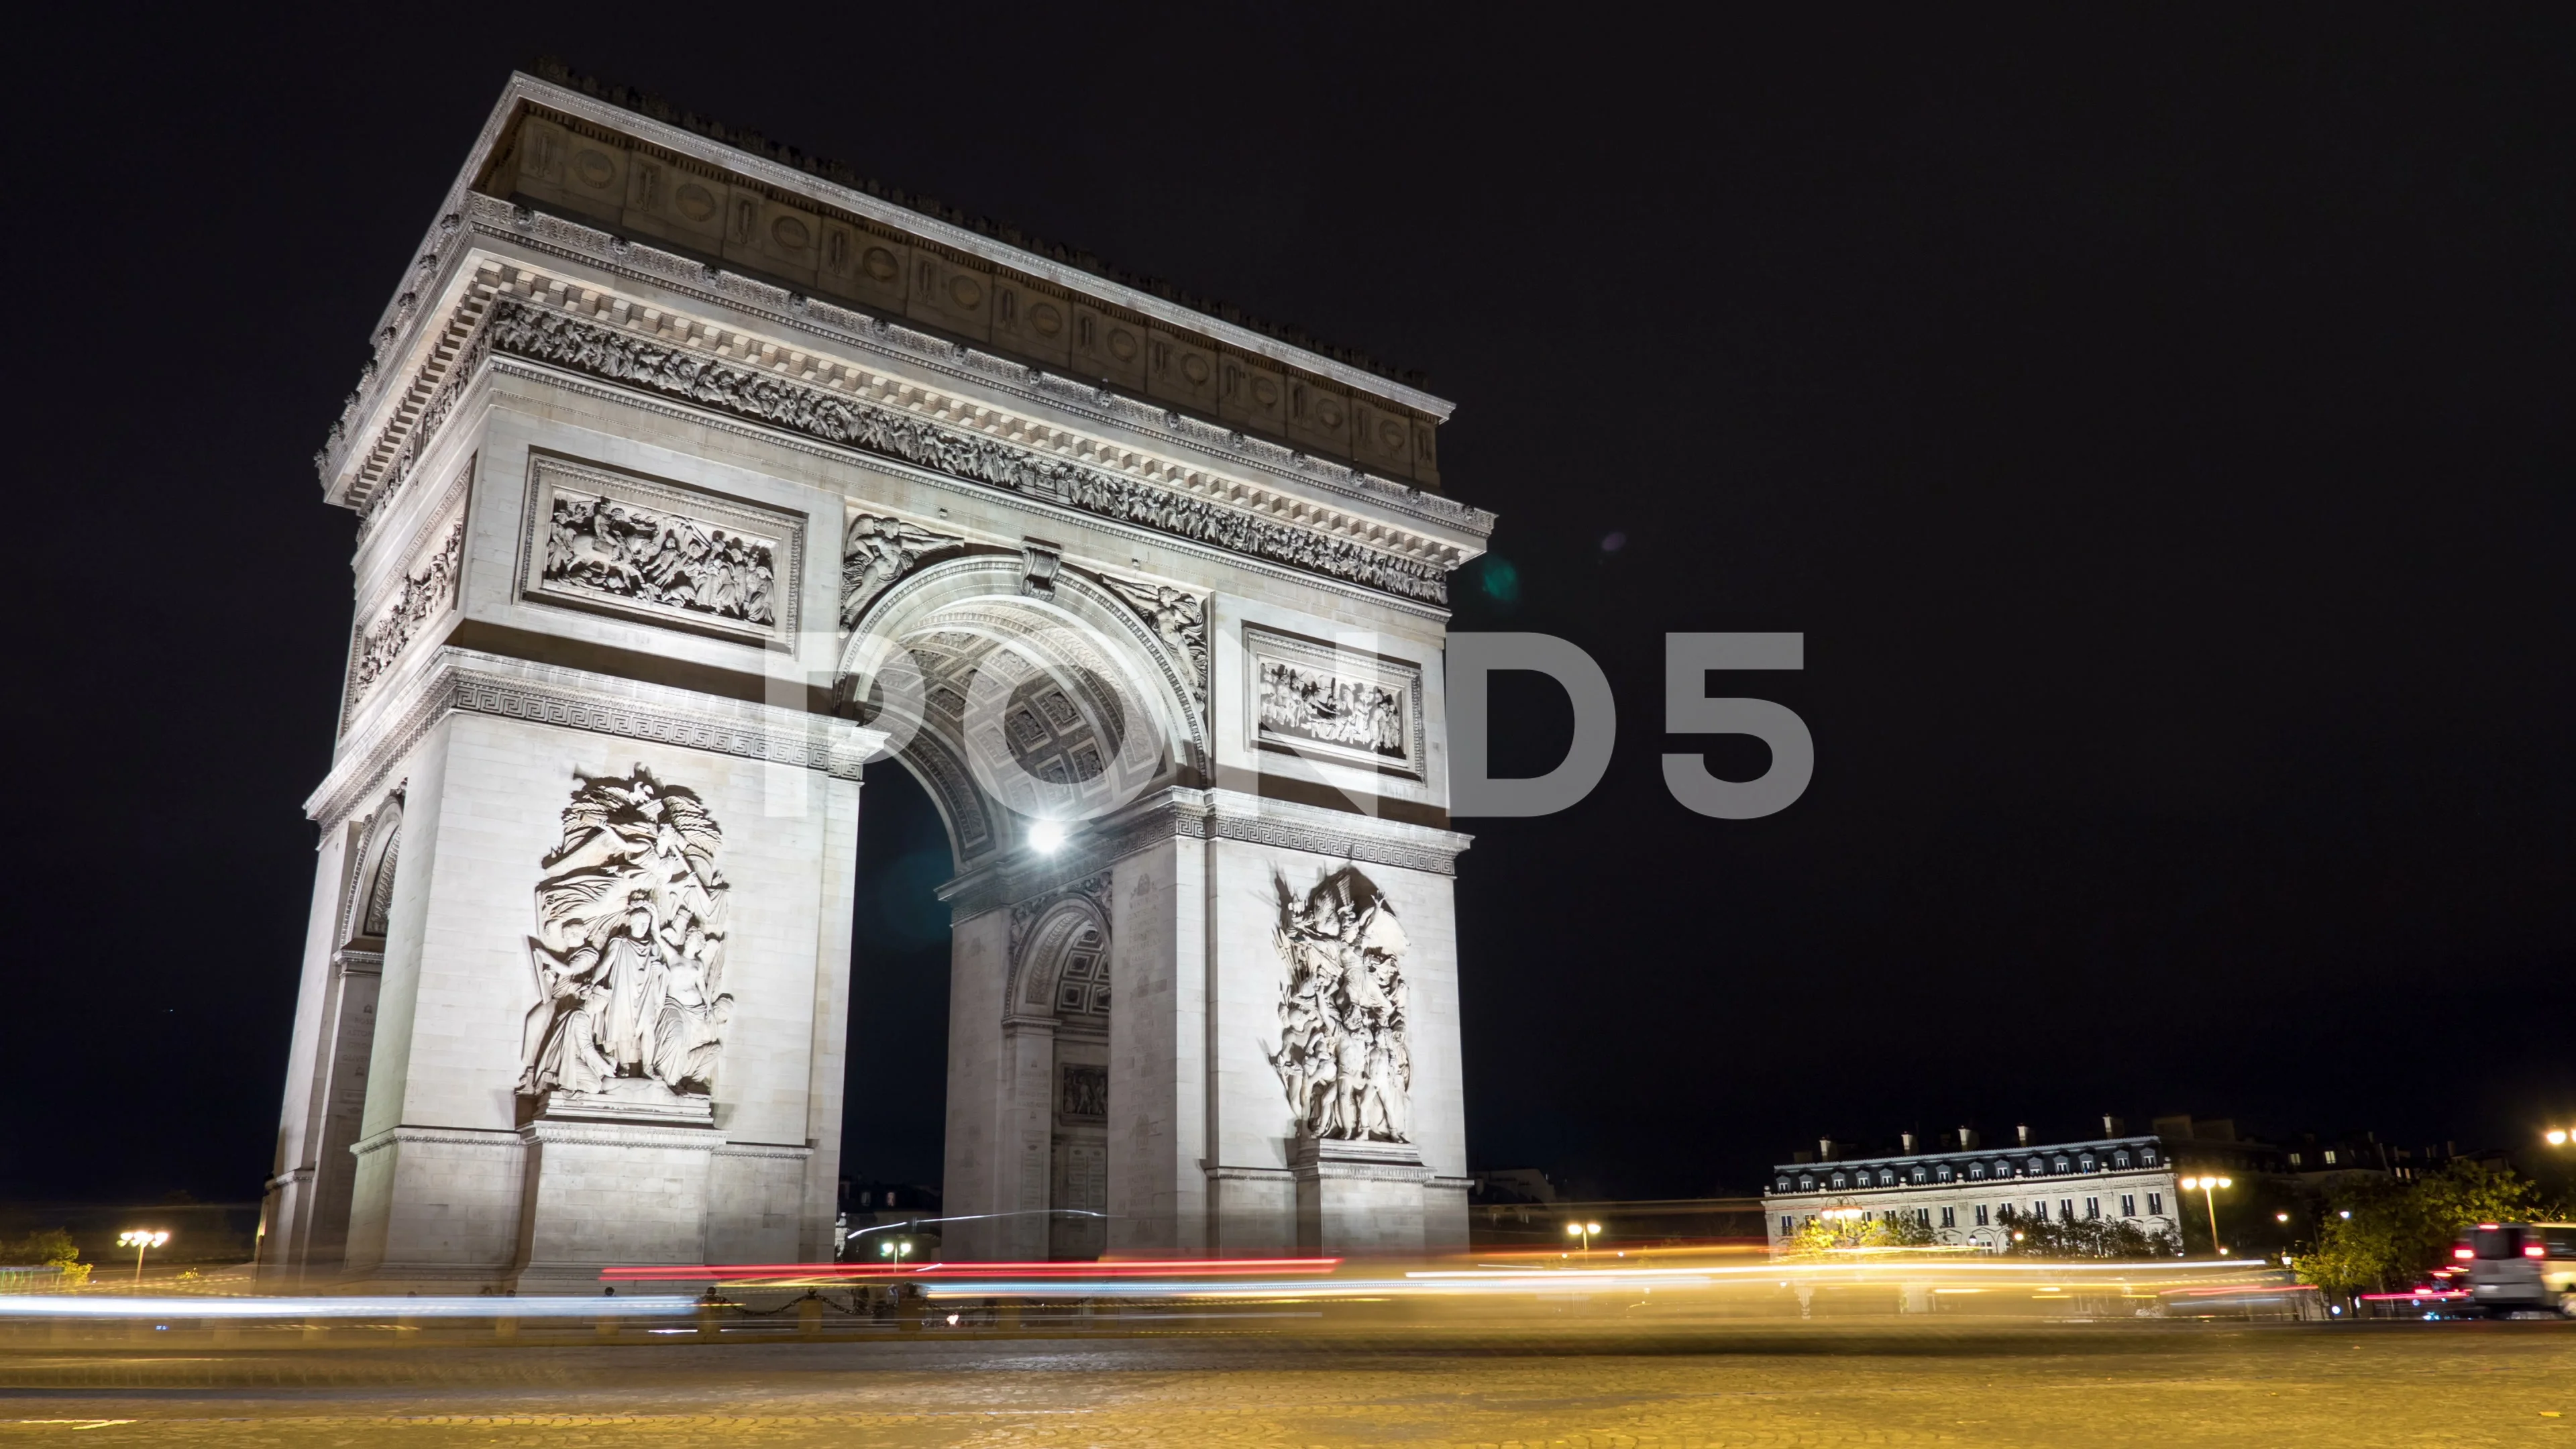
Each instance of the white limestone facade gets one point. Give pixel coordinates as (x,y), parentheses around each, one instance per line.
(1973,1198)
(689,481)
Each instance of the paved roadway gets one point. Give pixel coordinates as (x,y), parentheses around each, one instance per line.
(2173,1386)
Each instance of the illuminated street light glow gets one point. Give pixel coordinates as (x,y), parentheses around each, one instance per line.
(141,1240)
(2208,1187)
(2557,1136)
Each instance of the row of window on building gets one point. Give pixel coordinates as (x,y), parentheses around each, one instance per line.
(1920,1174)
(1988,1214)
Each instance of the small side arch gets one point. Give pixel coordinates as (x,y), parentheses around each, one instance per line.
(368,903)
(1061,967)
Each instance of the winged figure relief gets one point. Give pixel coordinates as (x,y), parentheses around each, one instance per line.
(1177,618)
(875,552)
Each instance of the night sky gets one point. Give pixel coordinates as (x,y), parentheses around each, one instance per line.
(2158,430)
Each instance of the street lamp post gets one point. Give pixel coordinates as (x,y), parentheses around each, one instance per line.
(1586,1231)
(141,1240)
(2208,1188)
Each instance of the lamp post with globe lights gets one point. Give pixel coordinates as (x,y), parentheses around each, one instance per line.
(1586,1231)
(141,1240)
(2208,1187)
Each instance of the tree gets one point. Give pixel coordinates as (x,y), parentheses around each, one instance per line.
(49,1247)
(1841,1230)
(2386,1235)
(46,1248)
(2089,1238)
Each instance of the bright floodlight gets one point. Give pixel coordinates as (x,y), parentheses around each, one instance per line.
(2557,1136)
(1046,835)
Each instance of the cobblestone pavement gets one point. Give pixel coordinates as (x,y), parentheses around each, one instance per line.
(2505,1384)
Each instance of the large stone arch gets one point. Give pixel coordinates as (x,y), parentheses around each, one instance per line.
(636,500)
(1114,712)
(952,618)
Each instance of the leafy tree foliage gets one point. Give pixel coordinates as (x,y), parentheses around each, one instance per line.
(48,1248)
(2089,1238)
(2397,1232)
(1823,1235)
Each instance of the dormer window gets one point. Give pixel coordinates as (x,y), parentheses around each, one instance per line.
(1976,1169)
(2085,1162)
(1806,1182)
(2061,1165)
(1887,1177)
(2121,1159)
(1919,1175)
(2037,1167)
(1840,1180)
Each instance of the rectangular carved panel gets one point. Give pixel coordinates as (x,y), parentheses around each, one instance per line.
(663,553)
(1348,706)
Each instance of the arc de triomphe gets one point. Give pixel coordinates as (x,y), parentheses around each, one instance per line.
(689,478)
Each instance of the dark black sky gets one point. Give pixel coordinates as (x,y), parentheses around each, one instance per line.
(2157,427)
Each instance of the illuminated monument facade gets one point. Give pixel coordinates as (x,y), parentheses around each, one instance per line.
(689,479)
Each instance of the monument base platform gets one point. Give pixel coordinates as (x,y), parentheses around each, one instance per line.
(1359,1199)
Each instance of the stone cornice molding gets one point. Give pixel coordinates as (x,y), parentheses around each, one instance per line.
(1090,477)
(775,1151)
(442,1136)
(1190,814)
(620,1134)
(872,335)
(467,681)
(356,476)
(523,88)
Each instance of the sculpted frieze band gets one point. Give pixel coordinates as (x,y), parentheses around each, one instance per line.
(424,595)
(524,330)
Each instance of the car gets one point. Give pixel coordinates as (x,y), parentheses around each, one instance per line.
(2519,1267)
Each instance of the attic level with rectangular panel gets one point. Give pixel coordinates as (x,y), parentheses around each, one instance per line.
(672,185)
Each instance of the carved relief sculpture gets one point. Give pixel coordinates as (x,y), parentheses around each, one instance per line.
(425,594)
(877,551)
(608,546)
(1315,699)
(665,553)
(1343,1057)
(629,950)
(1178,619)
(520,329)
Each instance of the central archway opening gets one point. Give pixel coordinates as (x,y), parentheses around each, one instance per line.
(895,1078)
(1014,707)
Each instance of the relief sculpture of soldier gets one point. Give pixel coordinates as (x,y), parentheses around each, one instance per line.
(1357,714)
(629,948)
(1343,1058)
(610,547)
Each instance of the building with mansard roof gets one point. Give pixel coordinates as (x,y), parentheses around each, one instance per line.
(1972,1196)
